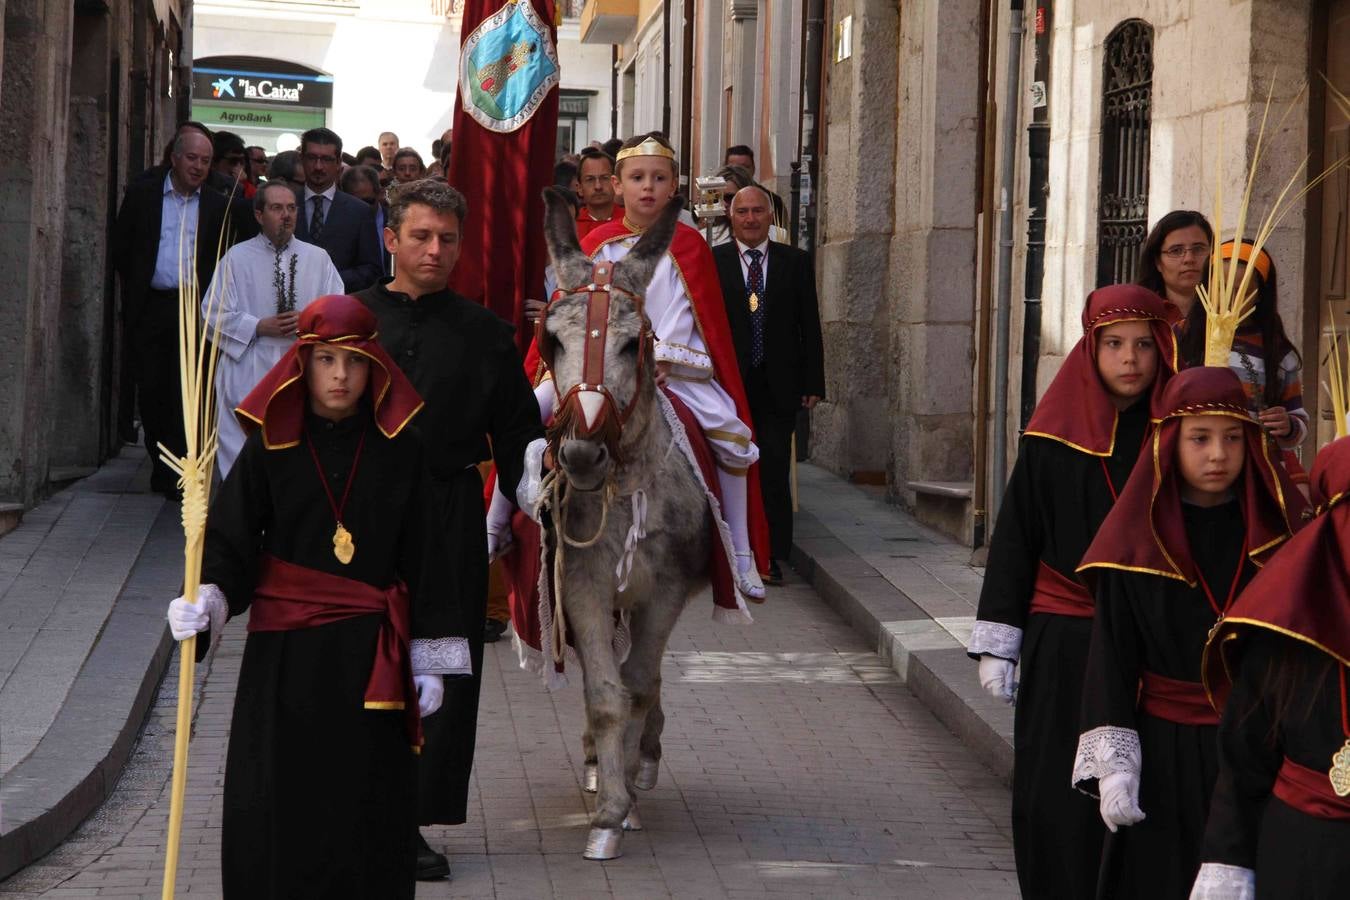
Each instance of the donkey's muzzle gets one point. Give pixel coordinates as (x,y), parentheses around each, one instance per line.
(585,462)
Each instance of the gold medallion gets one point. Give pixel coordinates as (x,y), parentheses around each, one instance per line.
(754,302)
(1340,771)
(343,548)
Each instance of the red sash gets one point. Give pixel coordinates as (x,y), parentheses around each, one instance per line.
(290,597)
(1183,702)
(1062,596)
(1309,791)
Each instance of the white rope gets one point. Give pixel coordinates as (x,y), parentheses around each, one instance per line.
(636,532)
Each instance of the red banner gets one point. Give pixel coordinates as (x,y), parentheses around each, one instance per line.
(505,134)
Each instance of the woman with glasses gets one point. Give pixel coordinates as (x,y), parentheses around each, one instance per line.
(1175,258)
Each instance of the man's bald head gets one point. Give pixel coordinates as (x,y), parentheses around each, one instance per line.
(751,215)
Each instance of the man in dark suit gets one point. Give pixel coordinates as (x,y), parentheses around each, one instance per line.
(770,293)
(162,226)
(363,183)
(335,221)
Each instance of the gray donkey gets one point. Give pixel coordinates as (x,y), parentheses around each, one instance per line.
(626,512)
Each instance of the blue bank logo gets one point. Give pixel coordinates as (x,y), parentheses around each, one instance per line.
(507,67)
(222,87)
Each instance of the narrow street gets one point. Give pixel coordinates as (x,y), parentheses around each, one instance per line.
(796,765)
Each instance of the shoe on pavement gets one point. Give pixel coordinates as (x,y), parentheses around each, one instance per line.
(431,866)
(747,578)
(493,631)
(775,573)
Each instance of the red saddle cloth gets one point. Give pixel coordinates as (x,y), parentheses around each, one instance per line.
(290,597)
(521,564)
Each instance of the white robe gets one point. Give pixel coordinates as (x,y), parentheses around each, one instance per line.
(242,292)
(679,342)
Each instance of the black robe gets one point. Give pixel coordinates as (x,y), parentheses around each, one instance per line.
(1056,499)
(1150,623)
(1294,854)
(319,791)
(463,360)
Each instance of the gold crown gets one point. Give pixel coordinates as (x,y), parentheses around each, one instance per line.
(650,147)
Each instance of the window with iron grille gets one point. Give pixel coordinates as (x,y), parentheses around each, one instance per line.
(1127,113)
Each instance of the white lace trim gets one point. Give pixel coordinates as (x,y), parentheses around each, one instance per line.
(217,608)
(1220,881)
(1104,750)
(681,355)
(441,656)
(995,639)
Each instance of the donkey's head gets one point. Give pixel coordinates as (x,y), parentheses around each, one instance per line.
(596,341)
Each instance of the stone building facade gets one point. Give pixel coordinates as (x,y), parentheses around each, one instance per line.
(89,94)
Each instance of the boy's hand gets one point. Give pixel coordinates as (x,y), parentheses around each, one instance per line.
(1275,419)
(533,308)
(662,372)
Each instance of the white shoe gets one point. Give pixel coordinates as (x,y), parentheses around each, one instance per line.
(747,577)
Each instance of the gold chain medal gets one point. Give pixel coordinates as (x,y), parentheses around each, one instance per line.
(343,548)
(754,302)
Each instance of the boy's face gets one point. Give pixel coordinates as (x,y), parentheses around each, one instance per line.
(1210,455)
(646,184)
(1127,359)
(336,378)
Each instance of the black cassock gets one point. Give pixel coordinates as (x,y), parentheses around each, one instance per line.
(1294,854)
(1056,499)
(463,360)
(1148,623)
(319,791)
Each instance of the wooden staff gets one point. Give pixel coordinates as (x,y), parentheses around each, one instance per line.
(196,372)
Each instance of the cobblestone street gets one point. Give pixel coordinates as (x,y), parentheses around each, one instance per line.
(796,765)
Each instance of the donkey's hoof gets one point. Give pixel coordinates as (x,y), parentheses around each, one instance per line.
(631,822)
(590,780)
(604,843)
(648,769)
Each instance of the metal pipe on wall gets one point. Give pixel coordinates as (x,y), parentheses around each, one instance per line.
(665,68)
(1038,196)
(687,96)
(813,60)
(1003,299)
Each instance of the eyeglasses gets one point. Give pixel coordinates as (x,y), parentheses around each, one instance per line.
(1180,250)
(316,158)
(235,160)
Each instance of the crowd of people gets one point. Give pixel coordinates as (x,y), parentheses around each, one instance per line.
(358,546)
(1171,634)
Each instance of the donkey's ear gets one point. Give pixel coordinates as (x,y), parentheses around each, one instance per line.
(635,272)
(570,265)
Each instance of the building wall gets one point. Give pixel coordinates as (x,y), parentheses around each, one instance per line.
(395,64)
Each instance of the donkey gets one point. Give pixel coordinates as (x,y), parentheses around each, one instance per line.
(616,457)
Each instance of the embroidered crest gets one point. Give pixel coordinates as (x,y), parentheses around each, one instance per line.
(508,64)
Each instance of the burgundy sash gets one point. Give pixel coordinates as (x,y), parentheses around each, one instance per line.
(1309,791)
(1183,702)
(1053,593)
(289,597)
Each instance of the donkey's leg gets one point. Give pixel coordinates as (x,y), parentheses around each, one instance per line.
(591,776)
(651,626)
(606,700)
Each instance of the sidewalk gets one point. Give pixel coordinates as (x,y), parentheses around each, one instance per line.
(911,593)
(83,584)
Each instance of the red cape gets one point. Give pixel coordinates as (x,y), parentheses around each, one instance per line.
(585,224)
(698,271)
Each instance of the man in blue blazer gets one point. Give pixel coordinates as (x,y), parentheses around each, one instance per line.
(333,220)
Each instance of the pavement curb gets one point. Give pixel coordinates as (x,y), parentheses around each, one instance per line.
(78,762)
(921,651)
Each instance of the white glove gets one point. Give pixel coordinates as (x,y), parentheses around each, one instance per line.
(209,612)
(530,490)
(499,537)
(1220,881)
(430,692)
(996,677)
(1120,799)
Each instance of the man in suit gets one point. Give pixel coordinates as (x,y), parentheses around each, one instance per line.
(335,221)
(161,227)
(770,293)
(363,183)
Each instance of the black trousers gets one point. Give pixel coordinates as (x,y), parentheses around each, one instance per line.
(774,427)
(154,341)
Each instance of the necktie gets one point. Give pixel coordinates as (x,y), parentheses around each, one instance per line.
(754,286)
(316,220)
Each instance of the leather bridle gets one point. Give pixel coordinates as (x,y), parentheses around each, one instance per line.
(594,403)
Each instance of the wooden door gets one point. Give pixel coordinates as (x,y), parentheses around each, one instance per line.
(1334,296)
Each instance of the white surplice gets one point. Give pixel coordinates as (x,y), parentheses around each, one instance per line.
(253,281)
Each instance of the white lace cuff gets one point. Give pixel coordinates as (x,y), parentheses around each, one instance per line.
(1104,750)
(1219,881)
(441,656)
(217,607)
(531,485)
(995,639)
(680,355)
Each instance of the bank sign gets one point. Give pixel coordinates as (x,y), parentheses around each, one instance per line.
(261,87)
